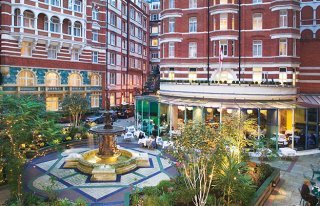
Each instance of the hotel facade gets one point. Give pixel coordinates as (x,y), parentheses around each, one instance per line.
(256,58)
(59,47)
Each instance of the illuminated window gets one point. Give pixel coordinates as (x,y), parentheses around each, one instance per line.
(26,49)
(94,101)
(171,73)
(257,75)
(95,80)
(52,79)
(75,80)
(223,1)
(112,99)
(283,47)
(257,21)
(155,30)
(154,42)
(52,103)
(223,21)
(282,75)
(26,78)
(192,75)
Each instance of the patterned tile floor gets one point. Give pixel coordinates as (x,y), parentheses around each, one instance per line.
(47,172)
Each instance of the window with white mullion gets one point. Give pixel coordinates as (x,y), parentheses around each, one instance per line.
(171,50)
(283,47)
(283,18)
(193,24)
(257,48)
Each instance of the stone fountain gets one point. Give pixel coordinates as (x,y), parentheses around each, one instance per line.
(109,160)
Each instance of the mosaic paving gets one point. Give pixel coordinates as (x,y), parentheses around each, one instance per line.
(48,173)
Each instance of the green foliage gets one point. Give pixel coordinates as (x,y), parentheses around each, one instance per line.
(23,120)
(75,105)
(260,173)
(233,181)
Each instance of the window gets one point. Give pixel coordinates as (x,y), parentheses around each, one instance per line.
(139,18)
(154,17)
(155,6)
(193,24)
(124,44)
(112,79)
(282,75)
(294,47)
(257,75)
(75,54)
(294,20)
(95,35)
(192,74)
(283,47)
(171,25)
(283,18)
(171,73)
(132,13)
(192,3)
(113,3)
(124,27)
(113,19)
(55,2)
(139,33)
(112,39)
(77,6)
(95,80)
(75,80)
(52,25)
(95,14)
(139,49)
(223,21)
(28,20)
(171,4)
(77,29)
(171,49)
(224,47)
(52,79)
(257,21)
(52,52)
(52,103)
(112,58)
(154,42)
(257,48)
(131,29)
(192,50)
(26,78)
(256,1)
(154,55)
(112,99)
(94,57)
(26,49)
(132,47)
(94,101)
(154,29)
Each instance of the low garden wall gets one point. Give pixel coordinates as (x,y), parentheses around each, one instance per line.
(265,190)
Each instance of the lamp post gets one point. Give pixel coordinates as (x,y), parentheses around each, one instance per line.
(107,37)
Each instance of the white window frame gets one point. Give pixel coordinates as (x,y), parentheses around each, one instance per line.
(95,14)
(172,23)
(223,21)
(223,44)
(193,4)
(112,58)
(95,57)
(193,24)
(171,4)
(75,54)
(283,19)
(193,50)
(113,78)
(283,51)
(257,48)
(95,101)
(257,21)
(171,51)
(95,35)
(26,49)
(52,52)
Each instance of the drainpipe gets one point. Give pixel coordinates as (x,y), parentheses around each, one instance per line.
(208,67)
(239,37)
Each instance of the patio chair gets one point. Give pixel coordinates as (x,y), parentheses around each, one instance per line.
(315,170)
(304,203)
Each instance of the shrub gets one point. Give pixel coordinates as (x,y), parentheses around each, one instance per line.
(164,185)
(260,173)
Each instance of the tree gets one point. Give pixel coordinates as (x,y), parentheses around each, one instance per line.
(195,150)
(23,120)
(75,105)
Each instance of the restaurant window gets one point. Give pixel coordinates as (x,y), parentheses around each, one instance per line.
(52,79)
(52,103)
(75,80)
(26,78)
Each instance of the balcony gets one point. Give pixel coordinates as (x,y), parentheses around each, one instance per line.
(254,92)
(51,90)
(168,13)
(285,4)
(224,8)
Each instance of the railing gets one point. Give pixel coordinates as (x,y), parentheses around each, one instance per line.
(51,89)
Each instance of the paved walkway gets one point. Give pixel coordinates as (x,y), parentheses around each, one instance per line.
(291,178)
(71,184)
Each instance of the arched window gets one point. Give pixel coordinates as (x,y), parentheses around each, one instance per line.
(28,19)
(52,79)
(52,25)
(95,80)
(77,29)
(26,78)
(75,80)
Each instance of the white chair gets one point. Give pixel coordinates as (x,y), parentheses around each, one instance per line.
(159,141)
(131,129)
(128,136)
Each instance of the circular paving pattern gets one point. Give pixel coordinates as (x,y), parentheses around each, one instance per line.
(48,172)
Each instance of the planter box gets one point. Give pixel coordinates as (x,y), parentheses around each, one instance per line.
(265,190)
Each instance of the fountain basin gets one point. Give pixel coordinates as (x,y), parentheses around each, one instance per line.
(102,169)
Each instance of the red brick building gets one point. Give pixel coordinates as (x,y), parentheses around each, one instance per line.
(54,48)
